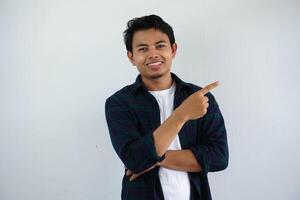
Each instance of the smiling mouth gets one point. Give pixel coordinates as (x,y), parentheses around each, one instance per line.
(154,64)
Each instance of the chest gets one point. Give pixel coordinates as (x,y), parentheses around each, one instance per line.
(148,115)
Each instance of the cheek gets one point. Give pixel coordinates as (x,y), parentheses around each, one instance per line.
(139,59)
(168,57)
(167,54)
(140,63)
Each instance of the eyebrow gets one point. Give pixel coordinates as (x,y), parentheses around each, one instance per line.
(142,45)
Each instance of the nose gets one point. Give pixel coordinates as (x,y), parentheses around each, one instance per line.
(153,54)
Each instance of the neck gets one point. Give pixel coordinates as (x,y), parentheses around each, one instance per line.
(156,84)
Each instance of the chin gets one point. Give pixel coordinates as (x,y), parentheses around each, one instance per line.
(157,75)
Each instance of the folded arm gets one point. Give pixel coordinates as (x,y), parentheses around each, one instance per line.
(138,153)
(181,160)
(210,153)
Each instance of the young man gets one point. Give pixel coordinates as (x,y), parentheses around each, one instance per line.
(168,133)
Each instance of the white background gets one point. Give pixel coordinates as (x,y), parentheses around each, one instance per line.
(60,60)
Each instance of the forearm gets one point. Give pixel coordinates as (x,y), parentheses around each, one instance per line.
(166,132)
(193,107)
(182,160)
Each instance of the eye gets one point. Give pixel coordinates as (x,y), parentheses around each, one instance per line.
(143,49)
(161,46)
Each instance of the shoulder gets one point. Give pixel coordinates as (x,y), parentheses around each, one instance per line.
(122,95)
(193,87)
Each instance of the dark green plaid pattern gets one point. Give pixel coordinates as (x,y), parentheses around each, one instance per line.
(132,114)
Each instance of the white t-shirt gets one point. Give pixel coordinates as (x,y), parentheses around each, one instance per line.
(175,184)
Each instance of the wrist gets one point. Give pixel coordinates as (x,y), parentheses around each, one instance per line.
(164,162)
(179,116)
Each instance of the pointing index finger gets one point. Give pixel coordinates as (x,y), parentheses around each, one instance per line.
(209,87)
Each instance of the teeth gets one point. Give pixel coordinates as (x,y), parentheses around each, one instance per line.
(152,64)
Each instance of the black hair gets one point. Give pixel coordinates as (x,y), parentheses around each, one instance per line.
(144,23)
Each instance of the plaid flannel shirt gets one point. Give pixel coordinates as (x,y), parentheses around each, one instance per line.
(132,114)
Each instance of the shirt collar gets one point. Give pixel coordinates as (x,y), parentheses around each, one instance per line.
(139,85)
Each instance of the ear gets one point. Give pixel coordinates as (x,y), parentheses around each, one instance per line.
(130,57)
(174,50)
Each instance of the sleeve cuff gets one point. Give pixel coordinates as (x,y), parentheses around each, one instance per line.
(201,158)
(148,148)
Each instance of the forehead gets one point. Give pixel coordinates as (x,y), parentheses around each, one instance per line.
(149,36)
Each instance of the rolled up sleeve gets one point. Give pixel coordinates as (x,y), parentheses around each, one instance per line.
(137,151)
(212,150)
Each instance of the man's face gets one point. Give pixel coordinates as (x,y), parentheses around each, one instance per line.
(152,53)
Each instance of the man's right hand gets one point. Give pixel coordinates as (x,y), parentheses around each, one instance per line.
(133,176)
(195,106)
